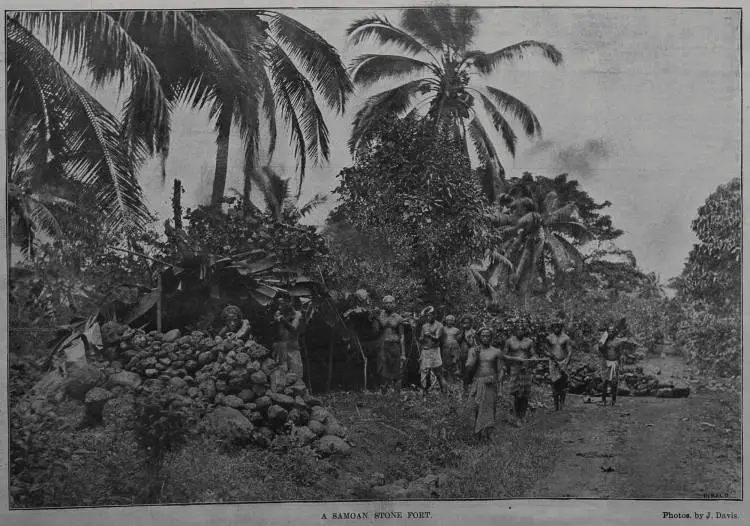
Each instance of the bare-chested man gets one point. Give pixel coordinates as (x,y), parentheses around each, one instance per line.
(610,347)
(558,346)
(486,360)
(519,351)
(430,359)
(451,349)
(467,340)
(392,355)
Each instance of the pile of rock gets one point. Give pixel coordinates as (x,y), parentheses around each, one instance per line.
(633,382)
(237,387)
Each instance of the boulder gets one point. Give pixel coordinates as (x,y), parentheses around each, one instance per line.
(277,415)
(320,414)
(291,378)
(302,436)
(206,357)
(80,379)
(281,399)
(221,386)
(191,366)
(259,390)
(193,392)
(299,403)
(336,429)
(171,336)
(253,366)
(264,437)
(178,385)
(256,351)
(208,387)
(664,393)
(255,417)
(247,395)
(259,378)
(295,417)
(263,403)
(333,445)
(242,358)
(95,400)
(278,381)
(125,379)
(299,388)
(311,401)
(317,427)
(268,366)
(233,401)
(623,391)
(681,390)
(226,421)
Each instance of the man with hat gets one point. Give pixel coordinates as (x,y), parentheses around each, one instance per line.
(392,353)
(558,347)
(487,361)
(235,326)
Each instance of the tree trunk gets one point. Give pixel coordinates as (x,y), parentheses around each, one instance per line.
(224,125)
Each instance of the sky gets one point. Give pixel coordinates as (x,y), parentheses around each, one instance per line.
(644,112)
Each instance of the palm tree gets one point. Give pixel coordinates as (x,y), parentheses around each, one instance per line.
(538,227)
(436,43)
(269,46)
(278,200)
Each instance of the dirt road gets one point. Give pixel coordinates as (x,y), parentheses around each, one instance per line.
(645,447)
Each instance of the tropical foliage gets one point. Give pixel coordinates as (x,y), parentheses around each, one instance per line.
(436,48)
(416,191)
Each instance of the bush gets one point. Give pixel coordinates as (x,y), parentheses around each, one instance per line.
(712,342)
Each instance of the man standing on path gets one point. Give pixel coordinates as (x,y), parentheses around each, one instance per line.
(487,360)
(286,348)
(610,347)
(392,352)
(466,339)
(558,347)
(519,351)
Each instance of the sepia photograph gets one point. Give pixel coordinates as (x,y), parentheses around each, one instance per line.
(374,254)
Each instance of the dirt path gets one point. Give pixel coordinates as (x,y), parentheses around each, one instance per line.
(645,447)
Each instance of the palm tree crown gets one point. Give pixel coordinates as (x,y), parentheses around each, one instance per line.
(436,45)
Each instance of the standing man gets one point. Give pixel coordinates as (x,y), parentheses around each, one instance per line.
(558,347)
(610,347)
(487,360)
(286,348)
(451,349)
(466,339)
(430,359)
(519,351)
(392,353)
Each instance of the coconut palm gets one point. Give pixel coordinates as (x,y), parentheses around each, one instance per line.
(538,228)
(278,199)
(436,48)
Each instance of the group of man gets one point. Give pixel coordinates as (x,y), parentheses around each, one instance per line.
(466,355)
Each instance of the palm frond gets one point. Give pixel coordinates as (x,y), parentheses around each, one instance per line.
(465,20)
(319,59)
(565,256)
(519,110)
(487,62)
(383,32)
(313,203)
(572,229)
(394,101)
(370,68)
(501,125)
(85,138)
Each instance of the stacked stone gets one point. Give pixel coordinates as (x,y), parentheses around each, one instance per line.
(633,382)
(238,384)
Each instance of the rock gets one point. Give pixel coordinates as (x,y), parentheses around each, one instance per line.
(311,401)
(259,390)
(664,385)
(191,366)
(320,414)
(125,379)
(184,340)
(291,378)
(664,393)
(277,415)
(242,358)
(247,395)
(233,401)
(229,422)
(295,417)
(149,362)
(256,351)
(113,332)
(95,400)
(681,390)
(263,402)
(299,388)
(171,336)
(259,378)
(160,367)
(336,429)
(281,443)
(333,445)
(165,361)
(193,392)
(255,417)
(221,386)
(299,403)
(264,437)
(302,436)
(116,365)
(316,427)
(206,357)
(253,366)
(219,398)
(278,380)
(268,366)
(623,391)
(235,385)
(178,385)
(80,379)
(281,399)
(209,388)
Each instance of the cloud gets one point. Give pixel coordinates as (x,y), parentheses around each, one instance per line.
(577,160)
